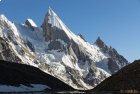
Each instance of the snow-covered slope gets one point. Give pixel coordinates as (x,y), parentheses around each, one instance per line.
(54,49)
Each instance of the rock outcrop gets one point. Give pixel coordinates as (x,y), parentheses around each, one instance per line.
(115,60)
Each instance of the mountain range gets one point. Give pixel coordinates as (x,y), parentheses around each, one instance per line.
(57,51)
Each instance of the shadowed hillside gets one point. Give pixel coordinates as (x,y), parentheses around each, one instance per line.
(126,80)
(15,74)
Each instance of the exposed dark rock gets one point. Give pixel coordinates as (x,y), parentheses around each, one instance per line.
(101,45)
(112,66)
(30,46)
(79,52)
(55,45)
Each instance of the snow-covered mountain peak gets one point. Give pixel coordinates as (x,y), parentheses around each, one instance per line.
(51,12)
(53,19)
(99,39)
(60,30)
(7,26)
(55,29)
(55,49)
(3,18)
(30,22)
(71,50)
(100,42)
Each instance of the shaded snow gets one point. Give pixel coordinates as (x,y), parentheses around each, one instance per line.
(104,65)
(23,88)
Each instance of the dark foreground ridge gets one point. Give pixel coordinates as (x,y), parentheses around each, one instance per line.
(15,74)
(126,80)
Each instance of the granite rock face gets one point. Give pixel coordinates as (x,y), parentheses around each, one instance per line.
(115,60)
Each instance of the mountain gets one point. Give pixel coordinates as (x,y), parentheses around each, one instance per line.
(56,50)
(125,80)
(115,61)
(17,77)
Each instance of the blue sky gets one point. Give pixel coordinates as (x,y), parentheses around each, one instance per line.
(117,22)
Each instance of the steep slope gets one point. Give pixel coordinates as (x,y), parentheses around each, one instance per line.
(24,78)
(80,55)
(125,80)
(114,62)
(54,49)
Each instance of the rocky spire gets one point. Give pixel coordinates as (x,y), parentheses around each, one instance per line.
(115,60)
(54,28)
(30,22)
(52,18)
(101,44)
